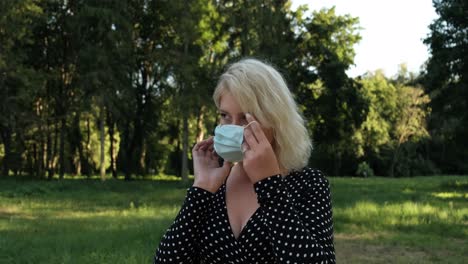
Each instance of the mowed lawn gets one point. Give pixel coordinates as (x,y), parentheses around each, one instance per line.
(377,220)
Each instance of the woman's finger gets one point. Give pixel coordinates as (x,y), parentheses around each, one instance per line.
(245,147)
(213,155)
(256,129)
(198,145)
(250,139)
(203,142)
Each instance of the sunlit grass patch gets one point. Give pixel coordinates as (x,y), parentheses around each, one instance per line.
(445,195)
(141,212)
(372,215)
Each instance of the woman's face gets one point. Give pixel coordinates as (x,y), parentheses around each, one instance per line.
(231,114)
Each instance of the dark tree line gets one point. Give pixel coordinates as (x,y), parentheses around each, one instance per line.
(124,87)
(446,81)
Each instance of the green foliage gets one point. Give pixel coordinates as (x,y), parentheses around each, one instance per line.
(395,126)
(330,100)
(383,99)
(446,80)
(17,78)
(91,144)
(125,86)
(364,170)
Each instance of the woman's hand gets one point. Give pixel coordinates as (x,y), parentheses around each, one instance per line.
(259,158)
(208,174)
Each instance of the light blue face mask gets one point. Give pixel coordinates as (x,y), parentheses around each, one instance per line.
(228,142)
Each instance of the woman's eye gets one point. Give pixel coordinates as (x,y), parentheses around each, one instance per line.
(243,120)
(224,116)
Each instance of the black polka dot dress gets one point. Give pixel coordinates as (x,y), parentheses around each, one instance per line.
(292,225)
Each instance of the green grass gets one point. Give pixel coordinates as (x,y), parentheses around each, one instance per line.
(377,220)
(408,220)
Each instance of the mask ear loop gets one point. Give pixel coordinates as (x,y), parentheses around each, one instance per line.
(243,138)
(249,124)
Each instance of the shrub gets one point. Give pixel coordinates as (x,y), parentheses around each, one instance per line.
(364,170)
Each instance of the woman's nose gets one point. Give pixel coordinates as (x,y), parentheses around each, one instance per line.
(237,122)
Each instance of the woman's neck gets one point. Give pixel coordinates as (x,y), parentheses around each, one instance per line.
(241,175)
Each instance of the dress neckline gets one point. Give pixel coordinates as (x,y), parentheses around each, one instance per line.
(247,224)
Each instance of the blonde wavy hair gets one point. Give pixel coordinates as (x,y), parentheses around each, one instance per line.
(261,91)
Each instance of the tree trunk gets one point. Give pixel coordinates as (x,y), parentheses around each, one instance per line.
(135,148)
(53,154)
(185,148)
(128,152)
(82,165)
(6,138)
(394,160)
(200,119)
(88,139)
(49,152)
(34,169)
(102,132)
(62,148)
(142,161)
(41,154)
(185,172)
(110,125)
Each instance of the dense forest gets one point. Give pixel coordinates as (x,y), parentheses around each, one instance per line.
(124,87)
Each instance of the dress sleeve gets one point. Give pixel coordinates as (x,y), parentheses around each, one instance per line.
(299,232)
(178,244)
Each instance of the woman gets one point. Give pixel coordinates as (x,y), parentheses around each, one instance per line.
(262,204)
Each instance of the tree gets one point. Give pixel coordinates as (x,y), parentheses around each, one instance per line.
(376,131)
(196,48)
(446,81)
(103,61)
(330,99)
(396,122)
(86,79)
(17,79)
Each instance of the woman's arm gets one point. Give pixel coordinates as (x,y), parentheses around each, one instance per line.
(299,232)
(178,244)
